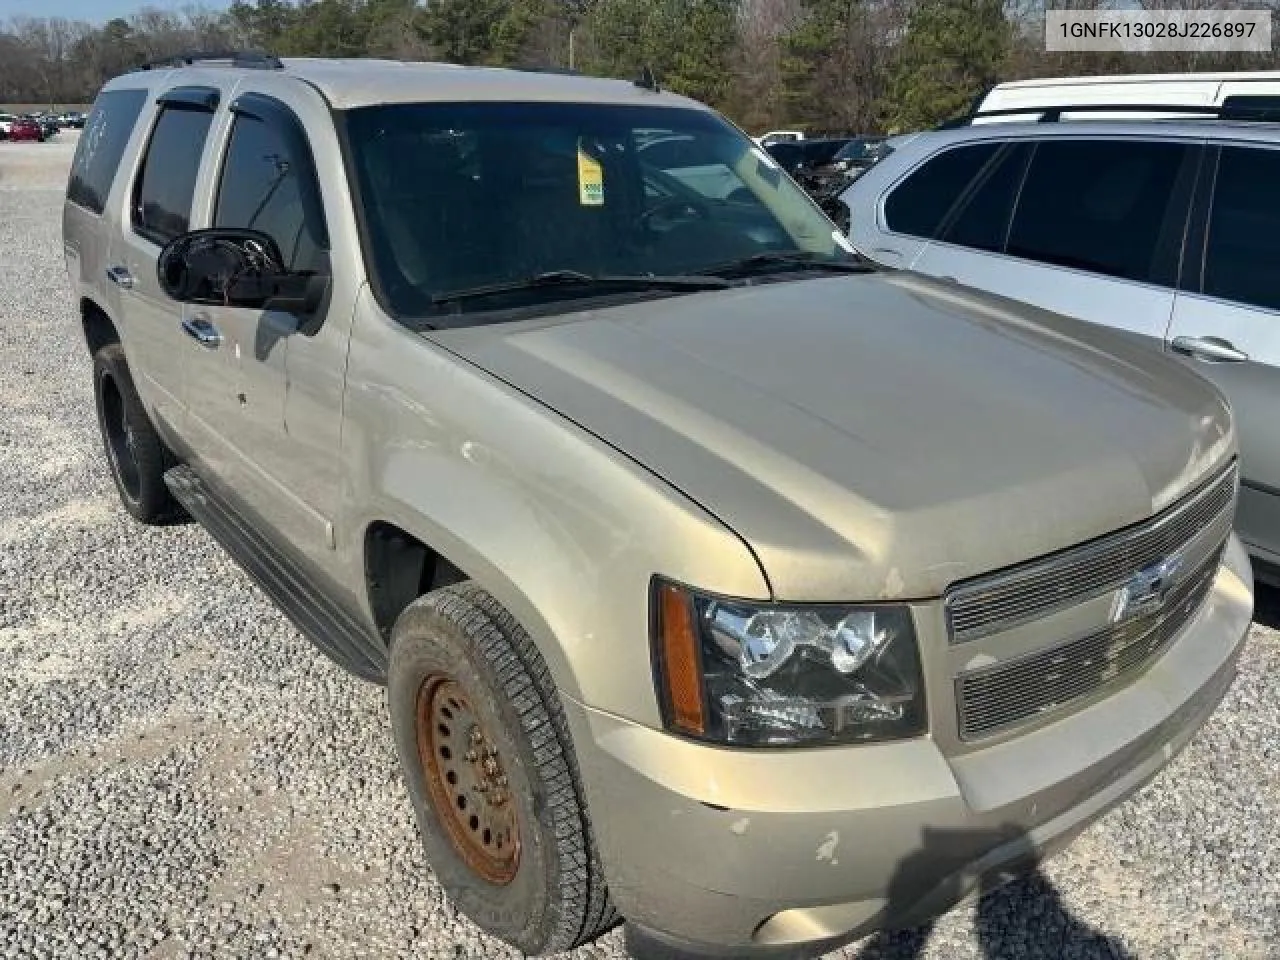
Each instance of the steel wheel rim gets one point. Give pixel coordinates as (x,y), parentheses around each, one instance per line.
(467,781)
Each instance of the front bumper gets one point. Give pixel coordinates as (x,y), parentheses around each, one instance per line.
(733,852)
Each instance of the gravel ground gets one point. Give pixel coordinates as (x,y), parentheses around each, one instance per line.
(182,775)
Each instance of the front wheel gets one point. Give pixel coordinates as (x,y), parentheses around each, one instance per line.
(489,765)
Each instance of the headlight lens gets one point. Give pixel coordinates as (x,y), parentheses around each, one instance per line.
(776,675)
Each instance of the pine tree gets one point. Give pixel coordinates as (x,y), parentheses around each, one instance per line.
(952,51)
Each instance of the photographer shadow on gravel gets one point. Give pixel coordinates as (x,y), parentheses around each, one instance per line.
(1020,914)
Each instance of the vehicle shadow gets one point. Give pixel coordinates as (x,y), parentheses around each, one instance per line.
(1019,912)
(1266,606)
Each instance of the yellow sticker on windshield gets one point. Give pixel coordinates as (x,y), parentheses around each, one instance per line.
(590,180)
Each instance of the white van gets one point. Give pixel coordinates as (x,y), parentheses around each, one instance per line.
(1199,91)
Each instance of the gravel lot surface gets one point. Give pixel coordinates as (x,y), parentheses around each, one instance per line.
(181,774)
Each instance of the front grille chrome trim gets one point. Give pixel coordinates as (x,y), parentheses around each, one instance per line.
(1002,601)
(991,700)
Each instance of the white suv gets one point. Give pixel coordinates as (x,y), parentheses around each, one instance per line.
(1168,230)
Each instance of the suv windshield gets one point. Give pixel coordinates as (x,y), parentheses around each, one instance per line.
(457,197)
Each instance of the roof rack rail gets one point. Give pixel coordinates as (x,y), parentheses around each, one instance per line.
(250,59)
(1053,113)
(647,80)
(563,71)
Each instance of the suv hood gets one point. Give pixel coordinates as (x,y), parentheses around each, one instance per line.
(879,436)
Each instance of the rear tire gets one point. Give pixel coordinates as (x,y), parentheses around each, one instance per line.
(504,825)
(135,453)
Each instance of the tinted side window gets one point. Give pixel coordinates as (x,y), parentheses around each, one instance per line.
(102,143)
(165,186)
(1113,207)
(919,204)
(1243,246)
(983,220)
(1246,107)
(261,188)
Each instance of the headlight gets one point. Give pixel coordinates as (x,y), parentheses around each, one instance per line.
(761,674)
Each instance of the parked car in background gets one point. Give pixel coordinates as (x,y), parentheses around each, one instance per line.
(6,122)
(1169,231)
(819,167)
(857,155)
(48,124)
(24,128)
(779,136)
(800,157)
(73,120)
(1166,91)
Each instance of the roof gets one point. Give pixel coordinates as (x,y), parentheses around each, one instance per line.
(1273,75)
(364,82)
(1260,132)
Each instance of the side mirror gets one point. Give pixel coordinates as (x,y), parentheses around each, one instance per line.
(234,267)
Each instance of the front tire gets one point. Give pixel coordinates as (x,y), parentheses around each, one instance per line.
(489,765)
(135,453)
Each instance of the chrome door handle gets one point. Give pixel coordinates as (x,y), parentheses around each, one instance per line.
(200,329)
(1213,349)
(120,276)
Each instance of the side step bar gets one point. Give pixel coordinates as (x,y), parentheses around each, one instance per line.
(335,632)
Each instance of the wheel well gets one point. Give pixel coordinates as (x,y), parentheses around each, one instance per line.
(399,568)
(98,328)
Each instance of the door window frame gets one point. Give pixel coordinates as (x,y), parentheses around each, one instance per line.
(199,99)
(284,121)
(1199,147)
(1198,234)
(951,212)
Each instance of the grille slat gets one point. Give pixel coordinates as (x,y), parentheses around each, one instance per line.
(995,698)
(998,603)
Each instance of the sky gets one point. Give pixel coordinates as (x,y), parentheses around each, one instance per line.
(95,11)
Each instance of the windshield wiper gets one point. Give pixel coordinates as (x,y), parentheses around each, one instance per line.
(574,278)
(774,260)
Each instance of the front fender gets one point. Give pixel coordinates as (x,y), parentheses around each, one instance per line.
(563,530)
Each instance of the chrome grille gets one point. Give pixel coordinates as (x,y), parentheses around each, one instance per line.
(994,698)
(1002,601)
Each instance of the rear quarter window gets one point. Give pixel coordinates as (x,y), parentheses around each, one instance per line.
(918,205)
(97,158)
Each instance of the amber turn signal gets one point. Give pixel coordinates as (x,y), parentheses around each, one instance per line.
(681,671)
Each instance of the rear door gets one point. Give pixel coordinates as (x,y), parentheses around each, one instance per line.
(1226,323)
(89,220)
(160,209)
(1096,231)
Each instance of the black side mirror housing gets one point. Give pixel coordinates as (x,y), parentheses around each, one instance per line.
(234,267)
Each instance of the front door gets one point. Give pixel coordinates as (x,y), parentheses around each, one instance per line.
(1227,326)
(265,406)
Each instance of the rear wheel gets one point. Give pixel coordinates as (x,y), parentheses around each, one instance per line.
(490,770)
(135,453)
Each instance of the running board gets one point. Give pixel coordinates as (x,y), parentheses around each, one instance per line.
(327,625)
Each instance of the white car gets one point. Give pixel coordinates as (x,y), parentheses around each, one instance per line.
(778,136)
(1195,91)
(6,121)
(1169,231)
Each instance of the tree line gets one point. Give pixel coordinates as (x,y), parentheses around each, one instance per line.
(822,65)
